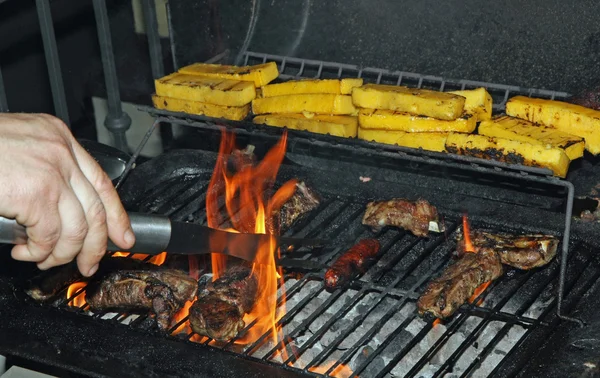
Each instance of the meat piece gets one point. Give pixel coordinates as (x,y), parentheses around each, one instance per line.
(353,261)
(414,216)
(219,311)
(47,284)
(241,159)
(303,201)
(519,251)
(445,294)
(163,292)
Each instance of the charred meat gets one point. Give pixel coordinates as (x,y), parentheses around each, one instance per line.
(518,251)
(163,292)
(219,311)
(589,98)
(302,202)
(445,294)
(353,261)
(414,216)
(47,284)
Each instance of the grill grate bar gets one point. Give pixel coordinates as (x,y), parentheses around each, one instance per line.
(371,332)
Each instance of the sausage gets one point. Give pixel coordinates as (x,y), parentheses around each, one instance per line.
(354,260)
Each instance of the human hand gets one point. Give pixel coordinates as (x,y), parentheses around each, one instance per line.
(55,189)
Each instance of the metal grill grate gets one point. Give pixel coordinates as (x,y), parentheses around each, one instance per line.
(372,327)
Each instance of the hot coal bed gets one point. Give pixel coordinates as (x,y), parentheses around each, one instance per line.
(370,328)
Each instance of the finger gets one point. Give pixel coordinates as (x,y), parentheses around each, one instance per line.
(73,232)
(94,245)
(42,236)
(119,227)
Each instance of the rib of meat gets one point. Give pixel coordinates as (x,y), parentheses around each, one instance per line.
(413,216)
(303,201)
(219,311)
(445,294)
(519,251)
(47,284)
(163,292)
(351,262)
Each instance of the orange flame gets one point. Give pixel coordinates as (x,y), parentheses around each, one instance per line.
(341,371)
(78,300)
(156,260)
(180,315)
(470,248)
(436,322)
(248,211)
(467,235)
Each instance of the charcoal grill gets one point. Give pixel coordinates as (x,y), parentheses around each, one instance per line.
(371,327)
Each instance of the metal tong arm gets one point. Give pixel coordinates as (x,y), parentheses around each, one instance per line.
(152,233)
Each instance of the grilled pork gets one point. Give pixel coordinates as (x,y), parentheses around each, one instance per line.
(353,261)
(219,311)
(47,284)
(519,251)
(302,202)
(445,294)
(162,291)
(414,216)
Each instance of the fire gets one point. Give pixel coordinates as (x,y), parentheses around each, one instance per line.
(156,260)
(250,210)
(75,289)
(341,371)
(469,248)
(436,322)
(181,315)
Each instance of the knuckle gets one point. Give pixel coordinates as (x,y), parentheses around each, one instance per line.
(96,214)
(77,233)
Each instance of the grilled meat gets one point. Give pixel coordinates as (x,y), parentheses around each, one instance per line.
(355,260)
(241,159)
(163,292)
(302,202)
(47,284)
(219,311)
(445,294)
(589,98)
(519,251)
(413,216)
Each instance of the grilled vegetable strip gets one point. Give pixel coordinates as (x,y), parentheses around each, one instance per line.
(260,74)
(440,105)
(569,118)
(414,216)
(219,311)
(525,131)
(445,294)
(478,102)
(350,263)
(509,151)
(163,292)
(519,251)
(379,119)
(426,141)
(236,113)
(334,86)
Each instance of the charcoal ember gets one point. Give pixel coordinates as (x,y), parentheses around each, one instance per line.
(301,203)
(518,251)
(445,294)
(219,311)
(163,292)
(414,216)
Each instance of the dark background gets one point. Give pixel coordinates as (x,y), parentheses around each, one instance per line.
(548,44)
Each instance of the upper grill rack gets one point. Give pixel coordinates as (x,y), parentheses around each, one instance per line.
(292,68)
(383,300)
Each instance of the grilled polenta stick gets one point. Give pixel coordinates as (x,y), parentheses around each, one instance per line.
(312,103)
(569,118)
(424,102)
(509,151)
(342,126)
(519,129)
(390,120)
(478,102)
(260,74)
(334,86)
(206,89)
(426,141)
(236,113)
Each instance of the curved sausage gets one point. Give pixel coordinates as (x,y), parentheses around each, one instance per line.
(354,260)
